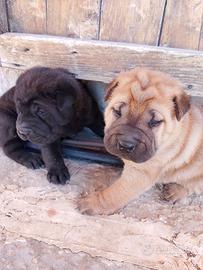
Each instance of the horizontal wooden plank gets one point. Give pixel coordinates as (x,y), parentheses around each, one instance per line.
(100,60)
(149,233)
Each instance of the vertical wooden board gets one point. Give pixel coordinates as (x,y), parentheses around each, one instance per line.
(77,19)
(136,21)
(3,17)
(8,78)
(201,38)
(27,16)
(182,24)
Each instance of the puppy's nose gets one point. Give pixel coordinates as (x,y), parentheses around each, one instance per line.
(24,130)
(127,146)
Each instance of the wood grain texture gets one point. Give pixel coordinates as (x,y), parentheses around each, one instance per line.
(8,77)
(100,60)
(3,17)
(27,16)
(132,20)
(201,38)
(78,18)
(149,233)
(182,24)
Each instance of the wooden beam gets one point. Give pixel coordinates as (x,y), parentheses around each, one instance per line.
(3,17)
(149,233)
(99,60)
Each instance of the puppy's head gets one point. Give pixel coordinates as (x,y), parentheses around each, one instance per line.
(46,100)
(143,109)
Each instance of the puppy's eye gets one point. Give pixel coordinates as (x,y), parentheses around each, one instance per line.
(154,123)
(117,112)
(40,112)
(34,108)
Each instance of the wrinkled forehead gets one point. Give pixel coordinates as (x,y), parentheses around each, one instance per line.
(133,93)
(140,87)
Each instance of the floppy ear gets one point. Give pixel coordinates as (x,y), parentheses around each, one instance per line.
(64,101)
(181,105)
(109,90)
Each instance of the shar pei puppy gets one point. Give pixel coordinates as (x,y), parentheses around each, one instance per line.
(44,106)
(156,130)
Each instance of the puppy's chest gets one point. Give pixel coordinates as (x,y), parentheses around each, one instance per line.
(70,130)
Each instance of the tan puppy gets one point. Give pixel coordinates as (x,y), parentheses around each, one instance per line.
(152,125)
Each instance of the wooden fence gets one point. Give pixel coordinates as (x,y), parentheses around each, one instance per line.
(84,26)
(170,23)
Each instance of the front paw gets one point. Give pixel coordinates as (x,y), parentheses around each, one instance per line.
(32,161)
(59,175)
(92,204)
(173,192)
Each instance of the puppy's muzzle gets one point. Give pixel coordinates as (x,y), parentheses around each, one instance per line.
(128,142)
(24,131)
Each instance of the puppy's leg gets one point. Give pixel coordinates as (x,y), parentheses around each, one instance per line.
(174,192)
(52,156)
(13,146)
(194,185)
(130,185)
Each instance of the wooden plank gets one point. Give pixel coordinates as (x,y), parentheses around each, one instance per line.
(78,18)
(8,77)
(201,38)
(3,17)
(100,60)
(132,20)
(27,16)
(149,233)
(182,24)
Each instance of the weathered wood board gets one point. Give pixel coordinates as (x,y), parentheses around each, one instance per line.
(152,22)
(27,16)
(3,17)
(132,21)
(182,24)
(99,60)
(201,38)
(148,233)
(8,77)
(76,19)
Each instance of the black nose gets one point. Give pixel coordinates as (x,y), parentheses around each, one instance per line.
(24,130)
(127,146)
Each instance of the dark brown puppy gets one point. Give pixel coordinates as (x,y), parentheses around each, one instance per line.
(44,106)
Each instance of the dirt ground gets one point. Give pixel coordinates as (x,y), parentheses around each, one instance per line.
(41,229)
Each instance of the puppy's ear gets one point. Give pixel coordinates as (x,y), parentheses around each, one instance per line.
(64,101)
(109,90)
(181,105)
